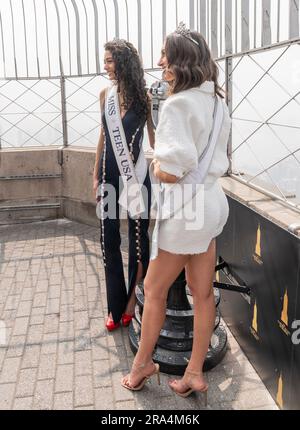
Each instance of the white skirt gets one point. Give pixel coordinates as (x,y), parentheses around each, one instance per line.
(181,236)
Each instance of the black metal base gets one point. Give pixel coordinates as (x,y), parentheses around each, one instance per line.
(139,291)
(174,345)
(175,362)
(177,332)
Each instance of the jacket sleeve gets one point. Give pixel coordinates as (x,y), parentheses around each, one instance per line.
(175,136)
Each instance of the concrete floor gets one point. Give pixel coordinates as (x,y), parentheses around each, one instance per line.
(54,350)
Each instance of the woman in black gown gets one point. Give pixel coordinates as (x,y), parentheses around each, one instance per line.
(124,69)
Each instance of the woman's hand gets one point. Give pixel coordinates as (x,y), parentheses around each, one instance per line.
(150,129)
(95,185)
(162,176)
(156,168)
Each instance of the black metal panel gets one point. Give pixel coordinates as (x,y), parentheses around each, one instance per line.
(266,258)
(294,400)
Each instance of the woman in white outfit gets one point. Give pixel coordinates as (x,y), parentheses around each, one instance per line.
(183,133)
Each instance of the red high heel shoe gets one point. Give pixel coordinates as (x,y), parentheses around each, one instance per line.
(126,319)
(111,325)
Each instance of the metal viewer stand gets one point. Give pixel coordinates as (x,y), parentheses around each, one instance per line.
(174,345)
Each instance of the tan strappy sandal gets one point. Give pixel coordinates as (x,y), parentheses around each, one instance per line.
(190,390)
(141,384)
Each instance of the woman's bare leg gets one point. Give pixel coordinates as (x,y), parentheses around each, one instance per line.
(161,273)
(200,271)
(132,300)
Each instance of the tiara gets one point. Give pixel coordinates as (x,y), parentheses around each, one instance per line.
(185,32)
(122,43)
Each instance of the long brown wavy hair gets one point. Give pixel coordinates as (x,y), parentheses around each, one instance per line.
(129,74)
(191,64)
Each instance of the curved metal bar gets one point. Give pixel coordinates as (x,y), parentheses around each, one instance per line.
(105,14)
(236,26)
(139,17)
(228,29)
(221,27)
(164,16)
(69,36)
(202,17)
(192,15)
(208,22)
(44,30)
(294,19)
(25,37)
(295,41)
(3,52)
(13,38)
(214,28)
(46,16)
(127,21)
(54,77)
(36,39)
(266,23)
(278,20)
(96,37)
(87,37)
(151,27)
(255,29)
(59,39)
(116,18)
(79,66)
(245,41)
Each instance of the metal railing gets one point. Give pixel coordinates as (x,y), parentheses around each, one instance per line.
(265,109)
(52,73)
(54,38)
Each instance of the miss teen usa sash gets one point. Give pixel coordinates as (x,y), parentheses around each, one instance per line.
(131,198)
(196,176)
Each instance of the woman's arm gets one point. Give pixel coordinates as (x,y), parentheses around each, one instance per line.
(97,161)
(163,176)
(175,147)
(99,147)
(151,135)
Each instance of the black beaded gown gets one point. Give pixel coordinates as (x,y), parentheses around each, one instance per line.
(138,239)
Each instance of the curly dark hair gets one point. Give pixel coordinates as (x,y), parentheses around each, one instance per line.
(192,65)
(130,73)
